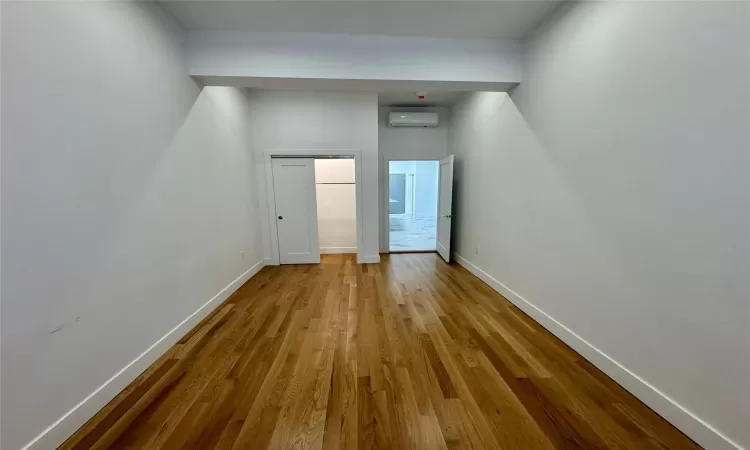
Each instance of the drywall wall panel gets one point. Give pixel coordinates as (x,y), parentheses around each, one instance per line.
(128,197)
(353,57)
(293,120)
(612,191)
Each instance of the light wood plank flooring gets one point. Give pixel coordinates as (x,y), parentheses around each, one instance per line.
(411,353)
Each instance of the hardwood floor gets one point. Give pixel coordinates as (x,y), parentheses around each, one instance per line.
(411,353)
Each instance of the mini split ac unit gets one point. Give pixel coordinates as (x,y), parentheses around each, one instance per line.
(412,119)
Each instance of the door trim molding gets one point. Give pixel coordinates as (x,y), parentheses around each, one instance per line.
(310,153)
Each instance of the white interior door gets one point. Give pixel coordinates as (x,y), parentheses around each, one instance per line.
(296,210)
(445,207)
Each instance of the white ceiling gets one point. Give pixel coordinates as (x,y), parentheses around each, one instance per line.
(459,18)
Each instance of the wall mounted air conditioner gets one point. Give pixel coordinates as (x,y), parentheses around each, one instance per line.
(412,119)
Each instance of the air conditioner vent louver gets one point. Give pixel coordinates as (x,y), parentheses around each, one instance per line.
(412,119)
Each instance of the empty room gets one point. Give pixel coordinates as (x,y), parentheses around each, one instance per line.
(375,224)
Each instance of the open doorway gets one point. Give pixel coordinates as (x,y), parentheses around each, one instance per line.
(412,205)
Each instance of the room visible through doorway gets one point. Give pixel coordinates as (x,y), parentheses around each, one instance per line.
(412,205)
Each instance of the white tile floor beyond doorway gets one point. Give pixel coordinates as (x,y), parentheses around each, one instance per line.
(412,233)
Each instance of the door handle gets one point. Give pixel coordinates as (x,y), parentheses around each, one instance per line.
(447,216)
(281,217)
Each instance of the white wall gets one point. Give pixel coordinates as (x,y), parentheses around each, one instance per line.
(128,195)
(337,205)
(612,191)
(407,144)
(321,120)
(354,57)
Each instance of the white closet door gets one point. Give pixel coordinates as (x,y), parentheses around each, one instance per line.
(296,210)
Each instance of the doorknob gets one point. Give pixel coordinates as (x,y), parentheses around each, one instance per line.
(281,217)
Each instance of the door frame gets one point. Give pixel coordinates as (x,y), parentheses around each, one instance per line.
(310,153)
(385,183)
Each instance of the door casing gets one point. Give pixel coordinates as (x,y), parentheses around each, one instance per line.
(267,175)
(385,188)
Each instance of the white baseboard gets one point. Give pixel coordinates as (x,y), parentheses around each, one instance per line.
(66,425)
(337,250)
(697,429)
(370,259)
